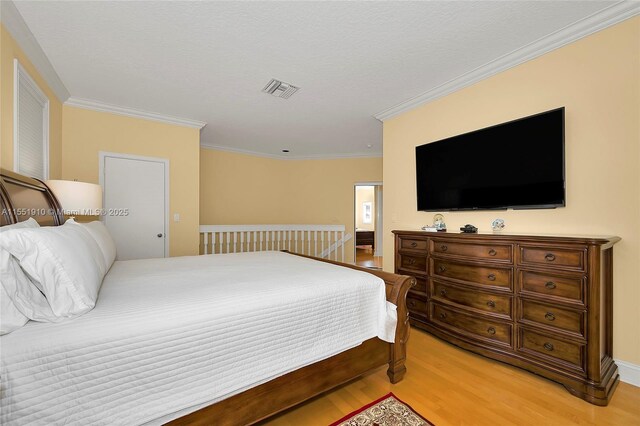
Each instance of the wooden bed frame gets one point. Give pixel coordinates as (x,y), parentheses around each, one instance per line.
(22,197)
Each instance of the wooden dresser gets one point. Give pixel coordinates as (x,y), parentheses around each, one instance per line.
(366,238)
(542,303)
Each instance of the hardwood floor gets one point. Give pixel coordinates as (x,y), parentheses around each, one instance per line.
(366,259)
(450,386)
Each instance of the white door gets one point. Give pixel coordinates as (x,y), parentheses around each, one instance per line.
(135,203)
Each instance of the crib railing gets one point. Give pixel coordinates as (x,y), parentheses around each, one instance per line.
(326,241)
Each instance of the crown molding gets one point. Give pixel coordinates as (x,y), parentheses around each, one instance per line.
(15,25)
(135,113)
(591,24)
(289,157)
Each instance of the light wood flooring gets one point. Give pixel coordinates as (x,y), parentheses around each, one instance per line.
(366,259)
(450,386)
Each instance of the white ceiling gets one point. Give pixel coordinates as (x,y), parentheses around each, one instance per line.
(209,61)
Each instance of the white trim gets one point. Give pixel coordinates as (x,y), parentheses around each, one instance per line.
(379,199)
(14,23)
(21,75)
(290,157)
(598,21)
(16,145)
(102,155)
(135,113)
(629,373)
(270,227)
(376,183)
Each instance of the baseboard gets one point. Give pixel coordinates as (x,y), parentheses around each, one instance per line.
(629,373)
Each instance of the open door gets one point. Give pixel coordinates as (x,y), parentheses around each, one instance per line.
(368,225)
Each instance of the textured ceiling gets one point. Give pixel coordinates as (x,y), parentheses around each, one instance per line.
(209,60)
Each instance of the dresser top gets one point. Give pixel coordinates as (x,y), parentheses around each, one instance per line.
(520,236)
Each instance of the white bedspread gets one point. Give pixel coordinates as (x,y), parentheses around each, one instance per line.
(170,334)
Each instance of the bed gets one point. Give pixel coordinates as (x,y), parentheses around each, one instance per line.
(365,238)
(159,315)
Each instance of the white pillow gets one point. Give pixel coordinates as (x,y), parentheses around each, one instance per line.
(63,261)
(11,318)
(26,300)
(101,235)
(29,223)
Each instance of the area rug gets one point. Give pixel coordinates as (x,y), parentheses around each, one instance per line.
(386,411)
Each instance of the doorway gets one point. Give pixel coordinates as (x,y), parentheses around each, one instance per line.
(136,200)
(368,224)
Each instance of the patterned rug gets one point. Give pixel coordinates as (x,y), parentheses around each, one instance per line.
(386,411)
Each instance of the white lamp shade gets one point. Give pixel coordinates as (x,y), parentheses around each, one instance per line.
(78,198)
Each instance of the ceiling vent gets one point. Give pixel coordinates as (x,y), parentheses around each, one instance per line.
(280,89)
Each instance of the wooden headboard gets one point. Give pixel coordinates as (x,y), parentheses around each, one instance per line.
(23,197)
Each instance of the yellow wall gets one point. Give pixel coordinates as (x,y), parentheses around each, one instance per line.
(597,79)
(9,50)
(243,189)
(86,133)
(365,194)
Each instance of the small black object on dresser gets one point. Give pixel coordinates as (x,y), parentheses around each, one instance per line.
(542,303)
(469,229)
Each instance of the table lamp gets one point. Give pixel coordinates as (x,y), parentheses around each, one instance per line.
(77,198)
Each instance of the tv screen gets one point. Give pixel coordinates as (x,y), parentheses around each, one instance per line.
(519,164)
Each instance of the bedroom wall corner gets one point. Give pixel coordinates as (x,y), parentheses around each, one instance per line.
(597,80)
(10,50)
(245,189)
(87,132)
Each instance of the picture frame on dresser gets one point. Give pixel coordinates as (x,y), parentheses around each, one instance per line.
(543,303)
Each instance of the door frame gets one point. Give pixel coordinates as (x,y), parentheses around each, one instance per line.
(103,155)
(378,214)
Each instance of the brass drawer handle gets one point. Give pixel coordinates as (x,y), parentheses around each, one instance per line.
(492,277)
(414,244)
(491,330)
(548,346)
(550,285)
(443,247)
(441,268)
(550,257)
(550,317)
(443,292)
(492,252)
(411,261)
(443,315)
(491,304)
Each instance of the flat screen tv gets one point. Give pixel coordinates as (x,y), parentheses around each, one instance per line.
(519,165)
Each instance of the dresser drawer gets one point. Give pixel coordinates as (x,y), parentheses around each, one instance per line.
(415,263)
(413,244)
(474,274)
(571,289)
(553,257)
(421,285)
(500,252)
(562,353)
(416,306)
(472,298)
(471,325)
(551,316)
